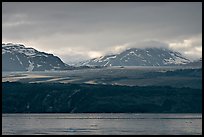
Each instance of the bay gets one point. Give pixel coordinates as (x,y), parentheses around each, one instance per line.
(101,124)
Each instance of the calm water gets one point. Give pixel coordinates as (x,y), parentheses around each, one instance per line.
(103,124)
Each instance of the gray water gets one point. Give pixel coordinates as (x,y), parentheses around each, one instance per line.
(102,124)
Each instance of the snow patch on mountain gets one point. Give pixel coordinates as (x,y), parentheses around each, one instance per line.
(19,48)
(19,60)
(31,66)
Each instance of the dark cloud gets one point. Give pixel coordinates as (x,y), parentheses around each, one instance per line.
(98,27)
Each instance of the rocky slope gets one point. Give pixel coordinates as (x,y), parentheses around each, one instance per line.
(17,57)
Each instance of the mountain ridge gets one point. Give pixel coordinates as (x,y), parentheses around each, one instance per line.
(17,57)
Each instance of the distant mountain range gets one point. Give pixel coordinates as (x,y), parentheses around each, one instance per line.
(140,57)
(17,57)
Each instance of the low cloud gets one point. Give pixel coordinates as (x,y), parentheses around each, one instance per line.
(75,31)
(190,47)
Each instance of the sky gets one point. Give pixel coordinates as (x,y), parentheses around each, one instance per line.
(77,31)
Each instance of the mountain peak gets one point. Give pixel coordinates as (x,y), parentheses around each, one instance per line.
(141,57)
(17,57)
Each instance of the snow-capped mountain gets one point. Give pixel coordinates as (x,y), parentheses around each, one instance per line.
(17,57)
(140,57)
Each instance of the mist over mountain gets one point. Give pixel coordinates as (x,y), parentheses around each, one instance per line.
(17,57)
(140,57)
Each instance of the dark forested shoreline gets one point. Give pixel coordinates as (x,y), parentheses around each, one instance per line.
(85,98)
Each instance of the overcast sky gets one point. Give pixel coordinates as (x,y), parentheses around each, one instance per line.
(78,31)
